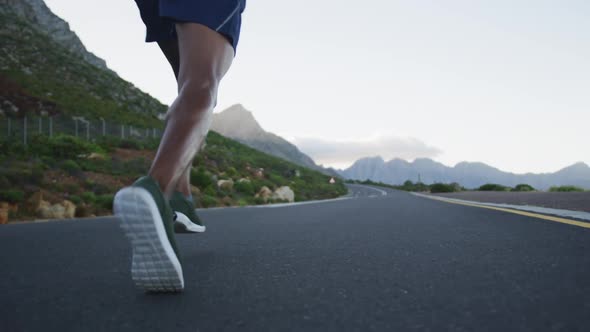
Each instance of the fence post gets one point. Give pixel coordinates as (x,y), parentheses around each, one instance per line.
(153,132)
(50,127)
(40,125)
(104,130)
(122,131)
(76,122)
(87,130)
(25,130)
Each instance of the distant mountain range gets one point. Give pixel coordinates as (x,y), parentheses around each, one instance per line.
(468,174)
(238,123)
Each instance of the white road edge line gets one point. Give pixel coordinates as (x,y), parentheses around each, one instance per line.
(280,205)
(382,192)
(537,209)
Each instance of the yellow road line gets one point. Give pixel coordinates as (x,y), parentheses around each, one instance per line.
(522,213)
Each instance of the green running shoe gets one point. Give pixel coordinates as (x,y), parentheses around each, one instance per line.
(187,220)
(147,220)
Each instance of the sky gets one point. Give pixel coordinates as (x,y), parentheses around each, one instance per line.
(501,82)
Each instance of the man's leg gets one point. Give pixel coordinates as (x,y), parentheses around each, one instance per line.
(205,56)
(170,50)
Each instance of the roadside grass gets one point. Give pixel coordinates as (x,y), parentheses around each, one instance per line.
(89,173)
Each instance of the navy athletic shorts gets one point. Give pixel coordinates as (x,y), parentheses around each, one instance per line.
(160,16)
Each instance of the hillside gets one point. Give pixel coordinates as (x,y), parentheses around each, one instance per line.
(468,174)
(45,69)
(64,177)
(238,123)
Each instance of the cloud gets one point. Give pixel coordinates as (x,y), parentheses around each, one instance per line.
(343,153)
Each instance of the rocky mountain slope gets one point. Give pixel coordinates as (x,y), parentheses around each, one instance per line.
(45,69)
(238,123)
(468,174)
(36,12)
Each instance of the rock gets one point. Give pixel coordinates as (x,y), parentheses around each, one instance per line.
(9,207)
(242,180)
(48,211)
(259,173)
(226,185)
(34,202)
(284,193)
(64,210)
(3,216)
(264,193)
(70,209)
(227,201)
(195,191)
(84,211)
(96,156)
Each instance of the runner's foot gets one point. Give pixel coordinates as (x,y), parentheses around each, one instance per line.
(147,220)
(187,220)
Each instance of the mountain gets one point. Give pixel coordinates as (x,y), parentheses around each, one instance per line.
(468,174)
(36,12)
(238,123)
(45,69)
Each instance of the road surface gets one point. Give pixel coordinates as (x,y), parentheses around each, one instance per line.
(380,260)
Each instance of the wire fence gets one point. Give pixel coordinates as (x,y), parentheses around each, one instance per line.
(22,129)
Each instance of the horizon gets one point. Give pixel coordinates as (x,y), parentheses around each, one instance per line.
(461,162)
(501,85)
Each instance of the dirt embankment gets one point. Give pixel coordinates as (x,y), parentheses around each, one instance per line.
(575,201)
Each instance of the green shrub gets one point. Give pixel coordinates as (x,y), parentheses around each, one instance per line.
(259,201)
(244,187)
(242,202)
(258,184)
(48,161)
(12,196)
(231,172)
(88,197)
(101,189)
(10,147)
(442,188)
(62,146)
(493,187)
(210,191)
(71,167)
(136,166)
(130,144)
(208,201)
(37,174)
(105,201)
(71,188)
(201,178)
(4,182)
(565,189)
(75,199)
(523,187)
(408,186)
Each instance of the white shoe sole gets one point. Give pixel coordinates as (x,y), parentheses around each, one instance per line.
(187,225)
(154,267)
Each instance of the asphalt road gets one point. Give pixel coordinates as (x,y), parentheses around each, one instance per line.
(372,262)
